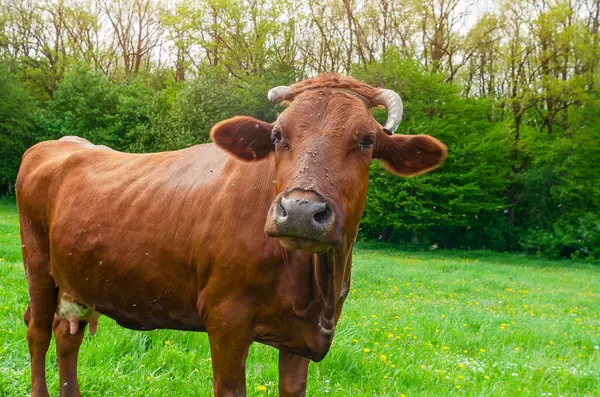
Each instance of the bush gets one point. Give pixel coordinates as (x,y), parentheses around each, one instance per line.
(16,127)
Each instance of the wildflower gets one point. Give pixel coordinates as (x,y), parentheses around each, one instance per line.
(366,350)
(486,377)
(445,348)
(383,358)
(422,366)
(461,365)
(261,388)
(167,342)
(516,349)
(148,378)
(458,386)
(354,340)
(482,350)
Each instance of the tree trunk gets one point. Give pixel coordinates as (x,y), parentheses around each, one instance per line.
(386,234)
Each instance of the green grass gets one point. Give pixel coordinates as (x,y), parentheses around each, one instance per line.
(416,324)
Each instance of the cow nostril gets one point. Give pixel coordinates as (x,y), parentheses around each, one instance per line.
(323,215)
(281,209)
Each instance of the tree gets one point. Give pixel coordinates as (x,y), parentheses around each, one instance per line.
(16,127)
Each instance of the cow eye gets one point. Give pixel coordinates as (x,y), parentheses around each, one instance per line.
(276,136)
(367,142)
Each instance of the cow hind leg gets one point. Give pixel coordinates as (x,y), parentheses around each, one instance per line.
(42,301)
(67,350)
(38,317)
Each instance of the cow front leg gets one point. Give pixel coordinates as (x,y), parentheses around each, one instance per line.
(293,371)
(229,350)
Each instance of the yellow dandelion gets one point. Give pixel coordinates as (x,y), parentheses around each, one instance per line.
(261,388)
(461,365)
(482,350)
(445,348)
(354,340)
(516,349)
(148,378)
(383,358)
(422,366)
(486,377)
(167,342)
(458,386)
(366,350)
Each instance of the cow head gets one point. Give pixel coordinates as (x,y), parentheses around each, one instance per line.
(322,145)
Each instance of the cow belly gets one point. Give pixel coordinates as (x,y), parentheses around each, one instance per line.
(138,298)
(137,309)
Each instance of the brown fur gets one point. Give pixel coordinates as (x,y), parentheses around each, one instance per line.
(176,239)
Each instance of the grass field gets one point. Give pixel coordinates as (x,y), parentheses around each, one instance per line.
(415,324)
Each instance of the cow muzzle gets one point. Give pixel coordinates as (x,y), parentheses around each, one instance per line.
(302,220)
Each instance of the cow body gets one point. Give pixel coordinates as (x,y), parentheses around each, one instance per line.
(175,240)
(249,239)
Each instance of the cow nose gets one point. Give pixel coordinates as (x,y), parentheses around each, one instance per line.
(301,217)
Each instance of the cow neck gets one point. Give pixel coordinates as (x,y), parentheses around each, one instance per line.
(326,276)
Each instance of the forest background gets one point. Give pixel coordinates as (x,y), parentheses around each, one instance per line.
(511,86)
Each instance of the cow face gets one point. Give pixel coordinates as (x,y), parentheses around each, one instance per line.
(322,145)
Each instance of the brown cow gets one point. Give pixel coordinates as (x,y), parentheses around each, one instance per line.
(249,239)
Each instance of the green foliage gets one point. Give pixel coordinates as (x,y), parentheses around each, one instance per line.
(459,205)
(89,105)
(16,126)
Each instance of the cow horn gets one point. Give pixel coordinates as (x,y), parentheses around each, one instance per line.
(279,93)
(392,101)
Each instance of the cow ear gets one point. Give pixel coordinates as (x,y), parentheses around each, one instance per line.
(244,137)
(408,155)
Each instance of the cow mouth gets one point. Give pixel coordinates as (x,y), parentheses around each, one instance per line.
(308,245)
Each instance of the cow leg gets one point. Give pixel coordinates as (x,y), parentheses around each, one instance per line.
(67,349)
(293,371)
(230,338)
(42,301)
(38,318)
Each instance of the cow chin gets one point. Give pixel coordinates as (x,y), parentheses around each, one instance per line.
(303,244)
